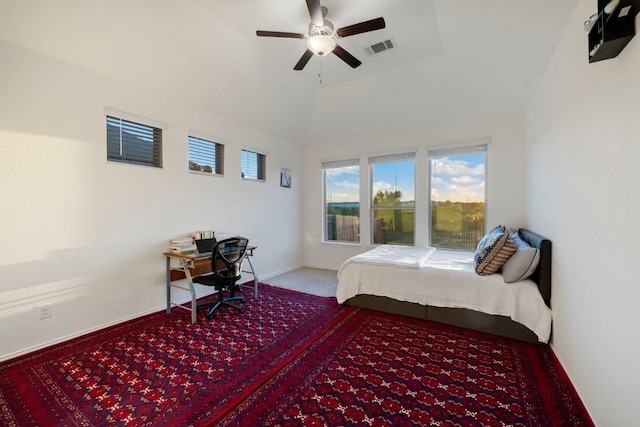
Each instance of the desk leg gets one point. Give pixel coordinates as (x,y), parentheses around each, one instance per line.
(255,278)
(194,304)
(168,285)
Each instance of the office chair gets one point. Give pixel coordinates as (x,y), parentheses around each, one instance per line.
(226,266)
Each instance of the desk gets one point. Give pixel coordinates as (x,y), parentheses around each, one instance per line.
(202,264)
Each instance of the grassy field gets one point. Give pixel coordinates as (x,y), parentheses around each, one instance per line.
(455,225)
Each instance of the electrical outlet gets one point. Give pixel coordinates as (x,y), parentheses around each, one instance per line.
(44,311)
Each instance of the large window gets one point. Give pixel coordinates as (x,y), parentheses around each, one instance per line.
(253,165)
(457,197)
(342,200)
(393,199)
(132,142)
(205,156)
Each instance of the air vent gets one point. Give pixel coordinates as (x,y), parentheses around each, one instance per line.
(379,47)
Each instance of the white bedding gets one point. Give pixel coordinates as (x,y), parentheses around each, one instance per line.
(445,279)
(398,256)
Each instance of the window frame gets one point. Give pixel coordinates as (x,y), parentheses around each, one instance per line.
(135,125)
(261,165)
(390,158)
(335,164)
(469,148)
(216,150)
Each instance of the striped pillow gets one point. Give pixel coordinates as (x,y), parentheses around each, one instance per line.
(495,248)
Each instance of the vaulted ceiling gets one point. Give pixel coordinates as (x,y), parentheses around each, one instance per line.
(452,58)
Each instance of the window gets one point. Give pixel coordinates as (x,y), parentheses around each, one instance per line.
(393,199)
(131,142)
(253,165)
(206,156)
(457,197)
(342,200)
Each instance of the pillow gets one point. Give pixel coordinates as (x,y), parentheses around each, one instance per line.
(523,263)
(493,251)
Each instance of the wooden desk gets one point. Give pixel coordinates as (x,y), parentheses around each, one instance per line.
(194,265)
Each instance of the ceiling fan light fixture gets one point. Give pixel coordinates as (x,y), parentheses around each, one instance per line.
(321,44)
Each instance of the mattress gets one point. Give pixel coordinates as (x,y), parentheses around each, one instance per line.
(444,279)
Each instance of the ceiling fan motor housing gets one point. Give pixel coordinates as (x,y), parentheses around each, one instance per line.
(325,30)
(321,38)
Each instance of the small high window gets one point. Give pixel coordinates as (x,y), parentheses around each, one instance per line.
(132,142)
(253,165)
(205,156)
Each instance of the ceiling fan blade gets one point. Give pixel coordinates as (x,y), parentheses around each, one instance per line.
(315,11)
(346,57)
(261,33)
(303,60)
(362,27)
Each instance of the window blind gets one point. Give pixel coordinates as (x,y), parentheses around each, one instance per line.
(135,143)
(392,158)
(253,165)
(452,151)
(340,163)
(206,156)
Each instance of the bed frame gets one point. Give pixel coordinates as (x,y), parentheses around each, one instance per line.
(470,319)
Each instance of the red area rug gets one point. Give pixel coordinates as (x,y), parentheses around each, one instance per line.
(385,370)
(161,369)
(290,359)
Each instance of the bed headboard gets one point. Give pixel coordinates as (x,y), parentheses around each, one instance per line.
(542,275)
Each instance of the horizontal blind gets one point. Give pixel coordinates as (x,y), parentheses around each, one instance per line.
(135,143)
(253,165)
(340,163)
(392,158)
(206,156)
(452,151)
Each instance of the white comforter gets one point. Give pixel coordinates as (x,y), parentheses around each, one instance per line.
(443,279)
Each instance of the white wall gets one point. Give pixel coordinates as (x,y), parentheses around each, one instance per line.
(87,235)
(505,177)
(583,141)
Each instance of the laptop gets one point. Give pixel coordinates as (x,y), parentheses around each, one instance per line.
(205,246)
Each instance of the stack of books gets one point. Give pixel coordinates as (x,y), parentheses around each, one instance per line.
(183,245)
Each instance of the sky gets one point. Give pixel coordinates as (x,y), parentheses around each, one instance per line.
(395,176)
(458,178)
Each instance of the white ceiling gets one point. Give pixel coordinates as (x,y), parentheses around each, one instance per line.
(453,58)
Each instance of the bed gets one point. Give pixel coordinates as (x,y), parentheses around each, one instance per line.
(443,286)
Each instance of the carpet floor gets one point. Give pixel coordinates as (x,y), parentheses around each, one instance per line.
(290,359)
(387,370)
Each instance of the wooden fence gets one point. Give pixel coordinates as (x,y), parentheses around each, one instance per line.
(343,228)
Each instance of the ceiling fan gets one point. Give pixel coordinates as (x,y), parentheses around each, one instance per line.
(321,39)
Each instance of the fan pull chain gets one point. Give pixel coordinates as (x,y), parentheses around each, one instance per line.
(320,70)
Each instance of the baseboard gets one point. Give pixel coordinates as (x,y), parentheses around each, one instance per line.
(90,330)
(268,276)
(573,390)
(322,267)
(125,319)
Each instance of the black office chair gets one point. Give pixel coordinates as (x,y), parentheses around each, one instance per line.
(226,266)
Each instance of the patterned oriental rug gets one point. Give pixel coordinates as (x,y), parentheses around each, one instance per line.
(290,359)
(385,370)
(161,370)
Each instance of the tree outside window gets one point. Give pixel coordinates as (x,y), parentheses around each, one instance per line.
(457,197)
(393,199)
